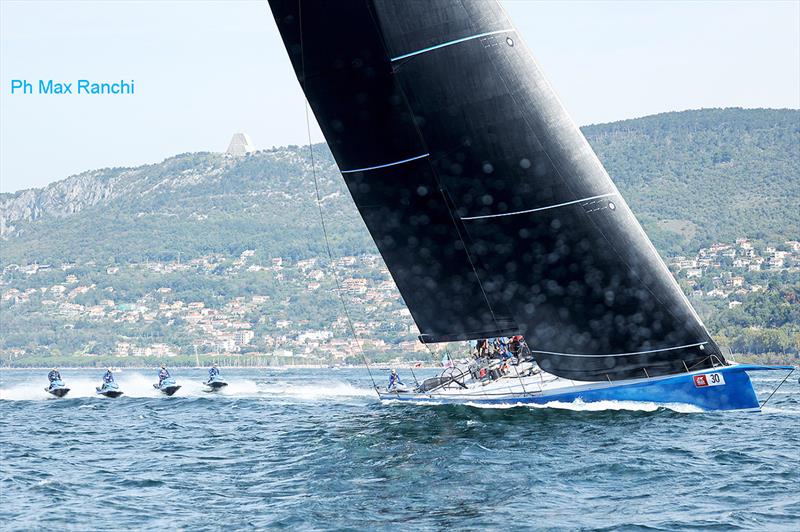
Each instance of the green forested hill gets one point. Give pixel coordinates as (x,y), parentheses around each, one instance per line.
(195,204)
(691,177)
(697,177)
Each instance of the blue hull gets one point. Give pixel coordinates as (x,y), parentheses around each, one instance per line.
(732,391)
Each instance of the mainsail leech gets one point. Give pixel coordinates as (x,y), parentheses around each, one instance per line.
(487,234)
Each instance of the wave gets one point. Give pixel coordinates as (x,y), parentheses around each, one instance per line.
(140,385)
(577,406)
(319,390)
(635,406)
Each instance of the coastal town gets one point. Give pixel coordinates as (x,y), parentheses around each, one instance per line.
(265,325)
(257,309)
(726,270)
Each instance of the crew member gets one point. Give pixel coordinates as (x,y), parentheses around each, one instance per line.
(213,372)
(522,351)
(163,374)
(483,348)
(501,348)
(53,376)
(394,380)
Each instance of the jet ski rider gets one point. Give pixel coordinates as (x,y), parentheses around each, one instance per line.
(213,372)
(53,376)
(163,374)
(394,380)
(108,378)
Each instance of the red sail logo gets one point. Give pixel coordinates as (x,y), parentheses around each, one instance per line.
(700,381)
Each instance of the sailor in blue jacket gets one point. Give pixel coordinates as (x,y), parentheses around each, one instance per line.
(163,374)
(53,376)
(394,380)
(108,377)
(213,372)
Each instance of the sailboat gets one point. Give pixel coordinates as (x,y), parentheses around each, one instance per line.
(492,212)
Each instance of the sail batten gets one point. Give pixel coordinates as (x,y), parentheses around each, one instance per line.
(378,167)
(582,200)
(449,43)
(647,352)
(489,207)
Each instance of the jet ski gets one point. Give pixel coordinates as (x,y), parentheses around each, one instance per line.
(398,387)
(109,389)
(215,383)
(57,388)
(168,386)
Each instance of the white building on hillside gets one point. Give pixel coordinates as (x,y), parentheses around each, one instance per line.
(240,145)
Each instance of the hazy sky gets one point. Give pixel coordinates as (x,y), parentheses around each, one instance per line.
(204,70)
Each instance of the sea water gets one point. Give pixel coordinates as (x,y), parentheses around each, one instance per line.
(315,449)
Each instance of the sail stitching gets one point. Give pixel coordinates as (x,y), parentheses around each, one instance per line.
(539,208)
(620,354)
(385,165)
(449,43)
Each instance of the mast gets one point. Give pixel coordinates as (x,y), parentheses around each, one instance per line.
(491,210)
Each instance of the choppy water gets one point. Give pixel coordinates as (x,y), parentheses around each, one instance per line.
(313,449)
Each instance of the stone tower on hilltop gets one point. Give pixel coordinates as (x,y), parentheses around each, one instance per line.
(240,144)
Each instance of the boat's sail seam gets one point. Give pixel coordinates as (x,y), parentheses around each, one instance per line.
(450,43)
(620,354)
(539,208)
(385,165)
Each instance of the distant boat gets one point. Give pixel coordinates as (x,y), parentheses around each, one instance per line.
(492,212)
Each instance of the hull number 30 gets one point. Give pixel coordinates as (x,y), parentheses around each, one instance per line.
(709,379)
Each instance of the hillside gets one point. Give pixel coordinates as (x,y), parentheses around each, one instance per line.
(691,177)
(712,175)
(185,207)
(209,255)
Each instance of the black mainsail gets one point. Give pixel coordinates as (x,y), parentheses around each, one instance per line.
(491,210)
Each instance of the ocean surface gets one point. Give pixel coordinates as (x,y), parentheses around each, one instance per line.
(314,449)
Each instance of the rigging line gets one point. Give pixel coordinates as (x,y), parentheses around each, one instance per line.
(414,375)
(702,361)
(777,388)
(519,377)
(319,206)
(442,190)
(466,229)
